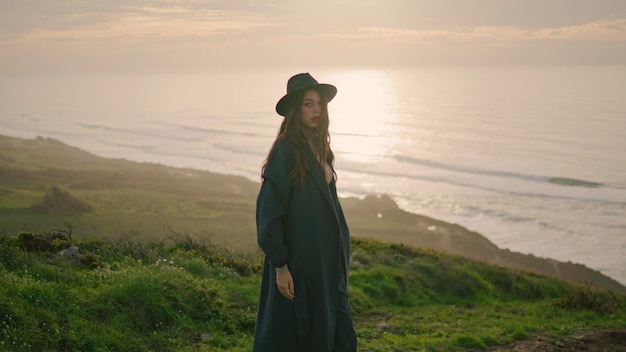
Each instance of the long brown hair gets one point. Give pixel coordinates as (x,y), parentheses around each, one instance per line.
(292,128)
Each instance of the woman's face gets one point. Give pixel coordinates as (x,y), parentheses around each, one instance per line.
(311,109)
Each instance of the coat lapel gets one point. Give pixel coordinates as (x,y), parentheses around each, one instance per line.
(315,169)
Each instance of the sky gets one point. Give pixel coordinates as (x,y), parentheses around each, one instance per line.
(65,36)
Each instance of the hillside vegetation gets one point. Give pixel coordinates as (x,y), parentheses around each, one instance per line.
(181,294)
(165,259)
(46,184)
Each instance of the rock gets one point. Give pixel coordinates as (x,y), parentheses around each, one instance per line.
(78,257)
(71,255)
(72,252)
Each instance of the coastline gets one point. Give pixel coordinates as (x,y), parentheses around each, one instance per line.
(44,161)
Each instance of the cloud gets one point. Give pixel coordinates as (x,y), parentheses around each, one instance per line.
(605,30)
(146,23)
(609,30)
(162,34)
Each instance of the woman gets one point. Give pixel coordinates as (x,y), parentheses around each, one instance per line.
(302,230)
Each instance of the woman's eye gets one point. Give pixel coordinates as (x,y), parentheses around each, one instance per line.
(308,105)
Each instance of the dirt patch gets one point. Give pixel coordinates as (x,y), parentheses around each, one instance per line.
(613,340)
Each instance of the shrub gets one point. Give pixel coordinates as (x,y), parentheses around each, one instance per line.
(588,298)
(42,242)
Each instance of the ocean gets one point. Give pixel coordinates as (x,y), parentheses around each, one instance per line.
(531,157)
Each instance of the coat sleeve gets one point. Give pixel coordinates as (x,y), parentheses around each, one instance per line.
(273,204)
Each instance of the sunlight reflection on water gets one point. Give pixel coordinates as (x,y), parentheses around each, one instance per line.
(363,115)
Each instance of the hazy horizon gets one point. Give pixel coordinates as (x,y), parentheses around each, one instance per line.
(40,37)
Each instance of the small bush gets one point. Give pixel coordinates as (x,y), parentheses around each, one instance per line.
(588,298)
(42,242)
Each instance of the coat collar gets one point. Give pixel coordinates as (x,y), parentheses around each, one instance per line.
(316,170)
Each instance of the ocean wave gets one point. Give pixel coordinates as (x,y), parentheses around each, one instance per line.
(217,131)
(562,181)
(239,149)
(346,134)
(102,127)
(498,213)
(145,147)
(601,198)
(162,134)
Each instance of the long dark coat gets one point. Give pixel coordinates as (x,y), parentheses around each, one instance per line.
(305,228)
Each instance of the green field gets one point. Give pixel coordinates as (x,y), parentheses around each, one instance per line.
(170,263)
(187,295)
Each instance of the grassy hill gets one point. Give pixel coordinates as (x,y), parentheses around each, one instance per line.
(46,184)
(182,294)
(165,259)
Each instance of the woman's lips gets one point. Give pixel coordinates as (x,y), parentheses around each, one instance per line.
(316,119)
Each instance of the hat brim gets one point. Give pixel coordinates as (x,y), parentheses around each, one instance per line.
(327,90)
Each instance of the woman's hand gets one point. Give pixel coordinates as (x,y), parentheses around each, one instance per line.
(284,281)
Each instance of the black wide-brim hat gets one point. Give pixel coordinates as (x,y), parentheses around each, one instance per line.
(301,82)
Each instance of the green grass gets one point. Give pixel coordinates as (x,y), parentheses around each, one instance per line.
(406,299)
(133,213)
(18,198)
(186,295)
(144,287)
(141,297)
